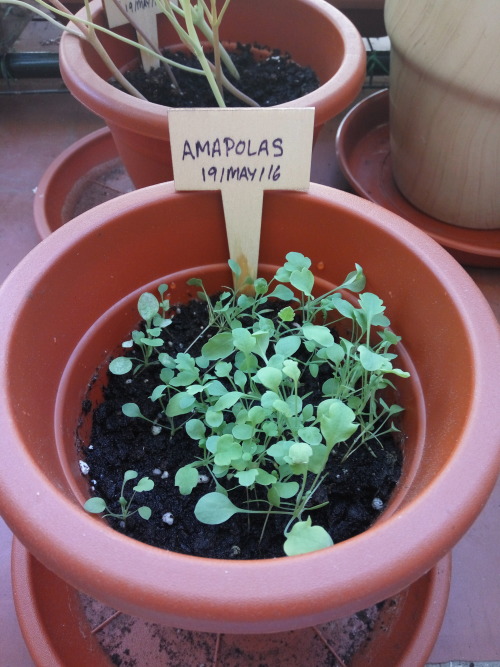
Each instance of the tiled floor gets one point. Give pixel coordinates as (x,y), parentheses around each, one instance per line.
(34,129)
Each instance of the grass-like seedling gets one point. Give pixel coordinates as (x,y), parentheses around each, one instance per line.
(245,398)
(97,505)
(194,21)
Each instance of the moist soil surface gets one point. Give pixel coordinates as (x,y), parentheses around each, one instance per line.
(356,489)
(269,80)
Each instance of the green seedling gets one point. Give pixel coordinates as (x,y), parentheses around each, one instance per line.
(154,313)
(242,399)
(97,505)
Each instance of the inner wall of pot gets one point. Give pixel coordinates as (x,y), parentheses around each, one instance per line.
(86,374)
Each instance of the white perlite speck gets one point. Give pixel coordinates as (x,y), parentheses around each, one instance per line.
(377,504)
(168,518)
(155,429)
(84,467)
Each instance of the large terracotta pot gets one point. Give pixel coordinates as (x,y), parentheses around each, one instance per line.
(315,33)
(71,301)
(445,106)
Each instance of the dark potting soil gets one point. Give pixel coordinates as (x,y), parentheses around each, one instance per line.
(270,81)
(357,489)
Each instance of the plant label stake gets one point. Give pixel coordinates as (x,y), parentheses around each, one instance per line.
(141,14)
(242,153)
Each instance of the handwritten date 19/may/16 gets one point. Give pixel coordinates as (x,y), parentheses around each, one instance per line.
(241,174)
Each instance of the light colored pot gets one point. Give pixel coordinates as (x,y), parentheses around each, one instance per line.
(445,107)
(71,301)
(314,32)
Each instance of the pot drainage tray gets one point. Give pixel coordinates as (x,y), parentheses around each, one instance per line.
(84,175)
(363,152)
(400,632)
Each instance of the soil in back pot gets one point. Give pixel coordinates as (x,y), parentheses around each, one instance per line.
(267,76)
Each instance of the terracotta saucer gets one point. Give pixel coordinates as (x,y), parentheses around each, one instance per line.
(363,153)
(401,632)
(87,173)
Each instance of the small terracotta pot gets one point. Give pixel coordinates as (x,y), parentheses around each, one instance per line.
(72,300)
(315,33)
(444,107)
(403,635)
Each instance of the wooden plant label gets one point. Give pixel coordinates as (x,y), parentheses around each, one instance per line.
(143,14)
(242,152)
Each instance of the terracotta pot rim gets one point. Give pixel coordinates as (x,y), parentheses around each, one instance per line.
(127,110)
(401,558)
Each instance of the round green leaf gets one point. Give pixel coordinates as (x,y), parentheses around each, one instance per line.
(371,361)
(222,369)
(179,404)
(120,365)
(300,452)
(214,508)
(296,260)
(303,280)
(213,418)
(131,410)
(283,293)
(304,538)
(195,428)
(270,377)
(148,305)
(144,512)
(318,333)
(228,400)
(260,286)
(215,388)
(144,484)
(242,431)
(337,421)
(158,391)
(288,345)
(311,435)
(234,266)
(286,489)
(219,346)
(152,342)
(243,340)
(246,477)
(287,314)
(186,478)
(95,505)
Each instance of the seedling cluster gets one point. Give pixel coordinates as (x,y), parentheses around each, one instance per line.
(97,505)
(283,379)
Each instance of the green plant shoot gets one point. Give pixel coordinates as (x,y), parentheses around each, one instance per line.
(243,399)
(97,505)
